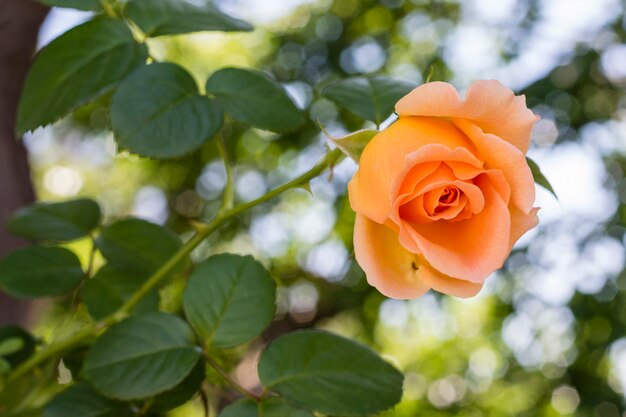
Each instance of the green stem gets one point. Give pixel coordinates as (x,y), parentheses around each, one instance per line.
(53,350)
(228,379)
(229,188)
(108,9)
(222,217)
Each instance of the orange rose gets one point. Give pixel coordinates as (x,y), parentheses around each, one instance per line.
(443,193)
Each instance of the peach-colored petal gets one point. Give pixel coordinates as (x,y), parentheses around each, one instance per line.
(500,155)
(383,163)
(489,104)
(522,223)
(470,249)
(389,267)
(448,285)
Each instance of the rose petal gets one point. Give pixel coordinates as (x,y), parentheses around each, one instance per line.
(469,249)
(489,104)
(388,266)
(383,163)
(448,285)
(500,155)
(522,223)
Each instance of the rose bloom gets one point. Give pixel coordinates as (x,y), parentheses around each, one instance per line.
(443,193)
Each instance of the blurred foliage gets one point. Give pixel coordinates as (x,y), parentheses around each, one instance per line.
(509,352)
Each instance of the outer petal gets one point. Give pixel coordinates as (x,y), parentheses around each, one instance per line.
(469,249)
(501,155)
(388,266)
(384,161)
(489,104)
(449,285)
(522,223)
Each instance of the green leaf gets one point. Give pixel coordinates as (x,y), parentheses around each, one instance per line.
(40,271)
(170,17)
(80,400)
(182,392)
(141,356)
(10,333)
(158,112)
(539,177)
(5,366)
(138,244)
(61,222)
(269,407)
(229,300)
(75,4)
(252,97)
(330,374)
(75,68)
(371,98)
(353,144)
(12,345)
(112,286)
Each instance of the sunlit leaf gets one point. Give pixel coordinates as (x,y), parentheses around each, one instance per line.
(169,17)
(40,271)
(141,356)
(354,143)
(75,68)
(330,374)
(252,97)
(371,98)
(62,221)
(229,299)
(158,112)
(138,244)
(112,286)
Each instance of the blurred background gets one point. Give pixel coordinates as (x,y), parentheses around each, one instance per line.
(547,335)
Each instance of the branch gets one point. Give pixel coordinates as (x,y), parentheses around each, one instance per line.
(92,330)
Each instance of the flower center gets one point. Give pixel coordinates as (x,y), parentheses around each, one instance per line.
(449,196)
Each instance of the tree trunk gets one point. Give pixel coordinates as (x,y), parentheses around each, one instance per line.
(19,26)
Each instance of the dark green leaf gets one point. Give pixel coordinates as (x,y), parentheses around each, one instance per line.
(252,97)
(539,177)
(158,112)
(353,144)
(75,68)
(371,98)
(74,359)
(269,407)
(63,221)
(5,366)
(10,345)
(169,17)
(40,271)
(80,400)
(182,392)
(141,356)
(75,4)
(8,333)
(138,244)
(229,299)
(330,374)
(112,286)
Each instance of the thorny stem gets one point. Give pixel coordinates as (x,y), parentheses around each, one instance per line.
(55,349)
